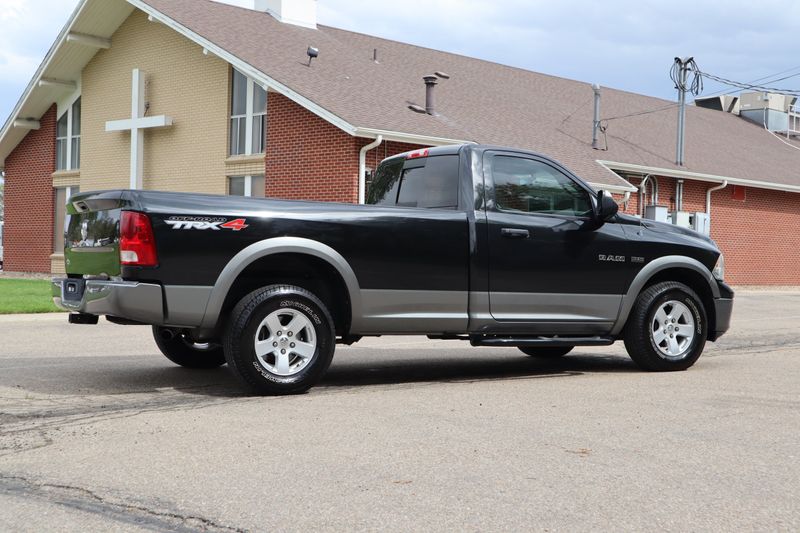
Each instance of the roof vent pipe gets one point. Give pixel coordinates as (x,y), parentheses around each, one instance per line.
(430,101)
(596,120)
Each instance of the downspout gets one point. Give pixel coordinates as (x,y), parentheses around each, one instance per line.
(362,167)
(708,198)
(642,192)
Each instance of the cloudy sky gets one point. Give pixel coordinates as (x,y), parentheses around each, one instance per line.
(626,44)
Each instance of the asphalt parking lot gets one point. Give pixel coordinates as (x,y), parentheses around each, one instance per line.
(100,432)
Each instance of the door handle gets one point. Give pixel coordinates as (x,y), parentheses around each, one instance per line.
(515,233)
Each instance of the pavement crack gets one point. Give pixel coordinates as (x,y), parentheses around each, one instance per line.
(39,422)
(86,500)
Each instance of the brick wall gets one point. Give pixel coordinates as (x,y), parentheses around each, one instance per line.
(28,238)
(308,158)
(758,230)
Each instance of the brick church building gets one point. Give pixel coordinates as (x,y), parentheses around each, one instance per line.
(194,95)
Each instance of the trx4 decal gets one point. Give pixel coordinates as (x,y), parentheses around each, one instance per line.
(235,225)
(206,223)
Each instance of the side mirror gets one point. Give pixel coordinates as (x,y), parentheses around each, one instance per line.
(606,207)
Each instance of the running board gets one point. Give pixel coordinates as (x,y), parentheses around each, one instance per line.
(541,341)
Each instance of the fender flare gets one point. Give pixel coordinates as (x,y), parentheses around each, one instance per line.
(651,269)
(280,245)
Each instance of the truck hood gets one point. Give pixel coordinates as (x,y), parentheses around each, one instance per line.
(685,235)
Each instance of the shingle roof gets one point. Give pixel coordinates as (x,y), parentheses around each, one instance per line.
(482,101)
(485,102)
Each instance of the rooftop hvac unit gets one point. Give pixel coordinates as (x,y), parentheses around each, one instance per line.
(659,213)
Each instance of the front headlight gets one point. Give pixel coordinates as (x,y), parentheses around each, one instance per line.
(719,268)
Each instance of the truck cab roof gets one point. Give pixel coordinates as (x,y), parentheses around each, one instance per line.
(458,148)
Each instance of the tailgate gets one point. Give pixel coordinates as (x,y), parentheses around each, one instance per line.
(91,245)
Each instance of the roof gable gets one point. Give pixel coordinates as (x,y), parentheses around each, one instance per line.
(64,61)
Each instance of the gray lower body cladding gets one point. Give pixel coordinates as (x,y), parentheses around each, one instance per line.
(142,302)
(382,311)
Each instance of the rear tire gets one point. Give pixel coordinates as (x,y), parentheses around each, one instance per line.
(667,328)
(181,350)
(280,340)
(546,352)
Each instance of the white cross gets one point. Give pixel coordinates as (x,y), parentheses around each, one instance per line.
(136,125)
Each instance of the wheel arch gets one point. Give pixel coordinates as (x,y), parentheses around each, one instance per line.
(258,254)
(686,270)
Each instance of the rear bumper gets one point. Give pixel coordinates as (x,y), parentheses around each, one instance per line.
(142,302)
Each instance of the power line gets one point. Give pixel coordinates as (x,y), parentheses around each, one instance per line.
(767,77)
(742,85)
(578,108)
(638,113)
(739,85)
(715,93)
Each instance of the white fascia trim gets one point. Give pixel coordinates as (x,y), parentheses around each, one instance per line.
(671,173)
(411,138)
(615,188)
(42,67)
(244,67)
(620,189)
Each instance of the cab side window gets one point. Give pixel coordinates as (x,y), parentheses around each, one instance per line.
(530,186)
(430,183)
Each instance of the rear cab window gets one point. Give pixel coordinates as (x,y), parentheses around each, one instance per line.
(426,182)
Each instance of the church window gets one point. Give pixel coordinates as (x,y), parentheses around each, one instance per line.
(248,116)
(68,138)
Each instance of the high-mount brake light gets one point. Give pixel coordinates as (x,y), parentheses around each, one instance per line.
(137,244)
(417,154)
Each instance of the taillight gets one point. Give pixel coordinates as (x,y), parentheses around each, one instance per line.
(137,245)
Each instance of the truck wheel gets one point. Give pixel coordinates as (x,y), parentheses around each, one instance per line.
(546,352)
(182,351)
(280,340)
(667,328)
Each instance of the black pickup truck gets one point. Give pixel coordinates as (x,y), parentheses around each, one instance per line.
(495,246)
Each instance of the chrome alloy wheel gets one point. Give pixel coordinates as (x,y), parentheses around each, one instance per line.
(285,342)
(673,329)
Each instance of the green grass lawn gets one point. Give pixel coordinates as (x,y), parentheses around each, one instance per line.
(26,296)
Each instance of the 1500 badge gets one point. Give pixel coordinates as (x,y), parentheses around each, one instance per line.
(207,223)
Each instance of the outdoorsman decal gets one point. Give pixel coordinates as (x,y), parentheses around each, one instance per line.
(206,223)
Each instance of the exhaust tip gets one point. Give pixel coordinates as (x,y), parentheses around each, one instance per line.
(83,318)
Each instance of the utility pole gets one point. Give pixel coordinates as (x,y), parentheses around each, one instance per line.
(682,66)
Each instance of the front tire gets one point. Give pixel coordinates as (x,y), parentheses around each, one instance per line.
(546,352)
(280,340)
(667,328)
(183,351)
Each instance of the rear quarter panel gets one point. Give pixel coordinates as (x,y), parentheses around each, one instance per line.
(387,248)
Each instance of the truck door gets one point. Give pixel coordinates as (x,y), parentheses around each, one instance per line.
(548,269)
